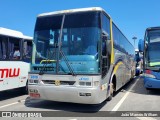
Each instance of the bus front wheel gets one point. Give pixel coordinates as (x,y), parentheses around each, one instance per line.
(111,91)
(24,90)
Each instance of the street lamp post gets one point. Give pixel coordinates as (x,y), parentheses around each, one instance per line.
(134,38)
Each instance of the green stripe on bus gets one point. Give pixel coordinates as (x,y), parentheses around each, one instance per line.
(154,63)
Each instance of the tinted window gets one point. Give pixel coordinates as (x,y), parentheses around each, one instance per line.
(80,36)
(14,45)
(106,25)
(153,48)
(9,47)
(90,19)
(121,42)
(3,47)
(27,51)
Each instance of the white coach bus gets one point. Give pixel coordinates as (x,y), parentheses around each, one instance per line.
(15,58)
(79,56)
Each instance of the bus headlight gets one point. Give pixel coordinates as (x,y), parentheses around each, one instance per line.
(33,79)
(149,75)
(83,83)
(30,81)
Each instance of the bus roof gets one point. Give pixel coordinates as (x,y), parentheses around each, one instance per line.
(153,28)
(72,11)
(13,33)
(27,37)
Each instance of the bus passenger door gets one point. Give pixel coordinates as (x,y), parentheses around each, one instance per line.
(106,44)
(105,57)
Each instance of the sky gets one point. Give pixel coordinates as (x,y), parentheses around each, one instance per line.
(131,16)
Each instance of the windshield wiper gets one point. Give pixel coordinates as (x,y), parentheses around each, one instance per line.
(67,62)
(60,50)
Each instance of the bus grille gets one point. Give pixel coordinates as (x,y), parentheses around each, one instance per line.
(61,82)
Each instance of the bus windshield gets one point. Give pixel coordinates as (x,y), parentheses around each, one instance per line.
(71,40)
(153,48)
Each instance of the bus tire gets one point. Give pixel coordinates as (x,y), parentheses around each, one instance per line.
(111,92)
(24,90)
(148,88)
(112,88)
(132,75)
(137,73)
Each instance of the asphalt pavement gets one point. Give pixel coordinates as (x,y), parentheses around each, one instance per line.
(132,99)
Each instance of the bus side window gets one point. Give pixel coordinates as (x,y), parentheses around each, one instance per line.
(3,47)
(27,52)
(14,48)
(1,50)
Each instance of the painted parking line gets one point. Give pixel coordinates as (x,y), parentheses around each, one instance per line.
(124,97)
(146,118)
(11,104)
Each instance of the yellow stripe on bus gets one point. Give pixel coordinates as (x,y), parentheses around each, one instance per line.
(112,49)
(53,61)
(117,66)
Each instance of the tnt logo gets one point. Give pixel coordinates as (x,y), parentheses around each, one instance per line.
(12,72)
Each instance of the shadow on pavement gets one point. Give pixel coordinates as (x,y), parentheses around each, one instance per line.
(8,94)
(62,106)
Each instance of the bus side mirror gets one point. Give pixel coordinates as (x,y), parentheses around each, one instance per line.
(141,45)
(105,36)
(108,46)
(106,43)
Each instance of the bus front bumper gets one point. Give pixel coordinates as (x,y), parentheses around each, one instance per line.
(68,94)
(151,83)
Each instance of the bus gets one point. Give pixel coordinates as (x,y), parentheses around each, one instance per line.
(15,58)
(79,56)
(150,47)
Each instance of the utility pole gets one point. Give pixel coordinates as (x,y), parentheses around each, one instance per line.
(134,38)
